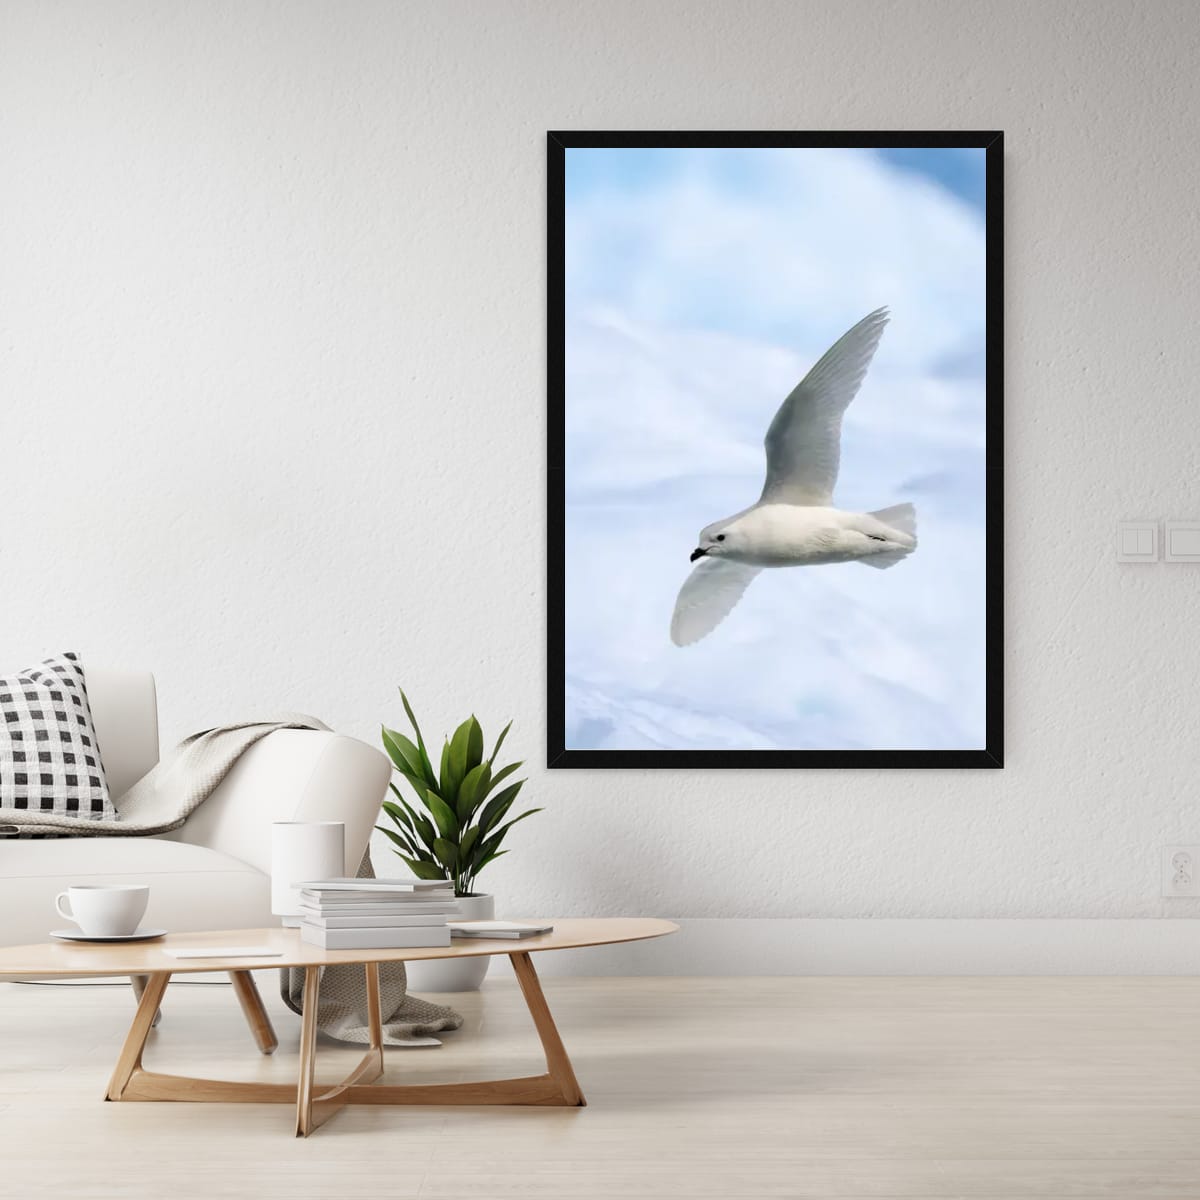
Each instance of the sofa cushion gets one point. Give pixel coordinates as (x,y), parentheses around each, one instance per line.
(99,860)
(49,759)
(191,887)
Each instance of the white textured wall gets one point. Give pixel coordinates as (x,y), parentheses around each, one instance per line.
(272,287)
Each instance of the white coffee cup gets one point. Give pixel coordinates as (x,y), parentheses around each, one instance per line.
(104,910)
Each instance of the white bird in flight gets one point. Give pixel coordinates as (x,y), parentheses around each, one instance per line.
(794,523)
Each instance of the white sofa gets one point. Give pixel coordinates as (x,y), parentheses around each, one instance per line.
(212,872)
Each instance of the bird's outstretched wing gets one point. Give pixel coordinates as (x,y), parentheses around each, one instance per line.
(707,598)
(804,441)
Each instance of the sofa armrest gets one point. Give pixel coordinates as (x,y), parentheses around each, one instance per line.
(292,775)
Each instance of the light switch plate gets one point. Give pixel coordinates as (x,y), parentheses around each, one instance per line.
(1182,541)
(1137,541)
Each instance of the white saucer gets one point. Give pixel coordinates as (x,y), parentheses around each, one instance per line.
(74,935)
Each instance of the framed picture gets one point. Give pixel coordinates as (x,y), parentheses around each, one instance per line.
(775,450)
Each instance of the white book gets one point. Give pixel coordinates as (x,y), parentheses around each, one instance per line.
(429,897)
(497,929)
(222,952)
(359,921)
(374,939)
(378,910)
(400,899)
(345,884)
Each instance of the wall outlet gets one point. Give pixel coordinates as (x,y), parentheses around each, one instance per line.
(1181,871)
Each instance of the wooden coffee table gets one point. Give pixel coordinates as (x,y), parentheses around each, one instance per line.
(314,1106)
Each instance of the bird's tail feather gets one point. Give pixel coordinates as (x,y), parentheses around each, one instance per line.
(900,516)
(903,518)
(889,558)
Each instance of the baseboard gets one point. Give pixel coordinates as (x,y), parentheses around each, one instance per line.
(899,947)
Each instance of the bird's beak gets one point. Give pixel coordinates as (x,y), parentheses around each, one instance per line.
(699,552)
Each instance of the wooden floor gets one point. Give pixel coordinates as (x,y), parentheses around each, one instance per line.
(727,1088)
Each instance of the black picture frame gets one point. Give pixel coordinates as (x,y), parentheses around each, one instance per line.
(992,754)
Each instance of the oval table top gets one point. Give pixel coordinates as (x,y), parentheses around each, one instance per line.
(47,959)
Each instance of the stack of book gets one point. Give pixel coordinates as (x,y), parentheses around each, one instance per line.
(371,914)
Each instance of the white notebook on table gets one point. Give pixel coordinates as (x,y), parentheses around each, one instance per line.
(222,952)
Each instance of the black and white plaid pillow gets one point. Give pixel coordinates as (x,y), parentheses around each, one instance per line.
(49,759)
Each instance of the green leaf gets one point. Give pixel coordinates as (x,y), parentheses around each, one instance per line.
(472,790)
(468,843)
(498,805)
(426,765)
(402,752)
(422,789)
(420,826)
(456,760)
(398,839)
(408,810)
(425,829)
(491,857)
(474,743)
(443,814)
(504,773)
(412,717)
(500,741)
(417,784)
(423,870)
(447,853)
(398,815)
(496,838)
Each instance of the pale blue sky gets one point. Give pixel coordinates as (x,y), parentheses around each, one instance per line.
(701,285)
(960,170)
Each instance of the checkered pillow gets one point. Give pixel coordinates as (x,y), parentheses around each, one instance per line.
(49,759)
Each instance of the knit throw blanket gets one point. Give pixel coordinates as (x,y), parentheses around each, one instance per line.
(169,793)
(342,1005)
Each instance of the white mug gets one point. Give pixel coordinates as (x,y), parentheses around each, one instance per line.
(104,910)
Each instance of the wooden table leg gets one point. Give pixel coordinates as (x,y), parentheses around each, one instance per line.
(252,1006)
(557,1062)
(130,1059)
(314,1108)
(138,983)
(308,1051)
(374,1022)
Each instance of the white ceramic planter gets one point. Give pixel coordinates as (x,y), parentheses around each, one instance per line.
(456,975)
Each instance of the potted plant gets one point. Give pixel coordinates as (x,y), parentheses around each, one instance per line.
(455,828)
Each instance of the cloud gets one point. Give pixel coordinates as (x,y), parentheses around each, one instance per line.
(696,298)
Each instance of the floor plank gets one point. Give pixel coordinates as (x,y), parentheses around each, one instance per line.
(738,1088)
